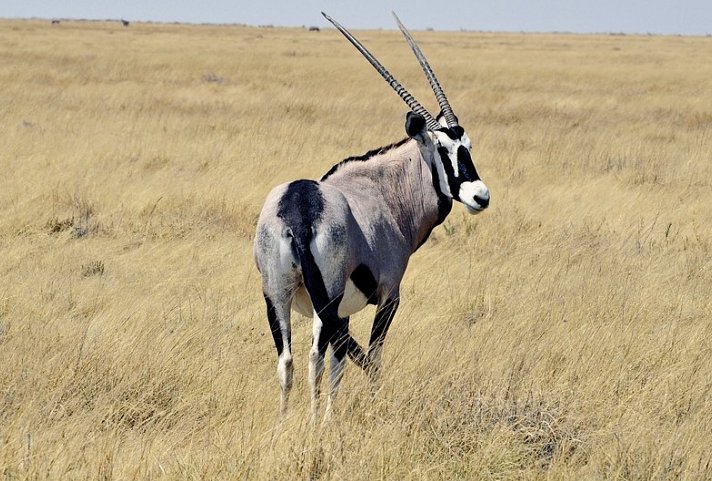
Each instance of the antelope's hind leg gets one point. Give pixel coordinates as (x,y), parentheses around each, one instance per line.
(316,362)
(278,315)
(339,345)
(328,330)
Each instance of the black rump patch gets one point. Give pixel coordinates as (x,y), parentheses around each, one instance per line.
(301,206)
(363,279)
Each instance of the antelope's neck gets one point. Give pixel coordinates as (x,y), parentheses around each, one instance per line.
(405,181)
(435,206)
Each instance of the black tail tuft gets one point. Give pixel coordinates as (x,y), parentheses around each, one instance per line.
(313,280)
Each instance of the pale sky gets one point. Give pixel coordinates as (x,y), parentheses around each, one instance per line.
(687,17)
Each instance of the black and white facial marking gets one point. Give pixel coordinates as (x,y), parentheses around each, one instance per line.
(459,179)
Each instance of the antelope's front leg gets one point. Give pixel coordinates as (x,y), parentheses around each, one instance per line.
(384,316)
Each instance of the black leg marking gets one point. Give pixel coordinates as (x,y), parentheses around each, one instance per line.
(325,335)
(334,331)
(384,317)
(340,338)
(363,279)
(356,353)
(274,325)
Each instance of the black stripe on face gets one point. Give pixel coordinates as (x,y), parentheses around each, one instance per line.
(452,181)
(468,172)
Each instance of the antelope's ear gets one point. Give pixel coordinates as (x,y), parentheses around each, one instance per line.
(414,125)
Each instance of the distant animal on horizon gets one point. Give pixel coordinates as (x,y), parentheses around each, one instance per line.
(125,23)
(330,247)
(55,22)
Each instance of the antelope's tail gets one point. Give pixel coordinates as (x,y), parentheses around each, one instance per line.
(314,283)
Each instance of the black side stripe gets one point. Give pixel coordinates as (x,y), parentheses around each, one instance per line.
(363,279)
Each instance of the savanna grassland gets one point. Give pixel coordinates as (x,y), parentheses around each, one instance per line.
(565,333)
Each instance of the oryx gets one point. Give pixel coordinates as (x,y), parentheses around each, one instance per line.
(328,248)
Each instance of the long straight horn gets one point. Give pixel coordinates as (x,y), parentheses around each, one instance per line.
(395,85)
(439,94)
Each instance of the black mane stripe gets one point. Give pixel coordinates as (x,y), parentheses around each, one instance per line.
(364,157)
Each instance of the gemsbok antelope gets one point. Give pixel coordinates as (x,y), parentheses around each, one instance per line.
(328,248)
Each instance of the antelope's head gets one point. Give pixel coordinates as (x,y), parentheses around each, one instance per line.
(458,176)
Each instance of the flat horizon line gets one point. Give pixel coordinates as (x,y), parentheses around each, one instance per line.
(328,27)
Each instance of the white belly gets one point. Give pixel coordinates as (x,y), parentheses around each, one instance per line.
(301,303)
(353,300)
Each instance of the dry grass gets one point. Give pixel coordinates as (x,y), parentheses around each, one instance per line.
(563,334)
